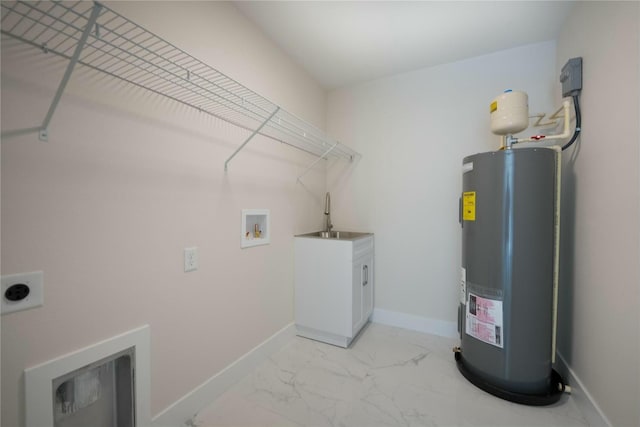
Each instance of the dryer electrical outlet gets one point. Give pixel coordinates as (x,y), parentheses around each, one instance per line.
(22,291)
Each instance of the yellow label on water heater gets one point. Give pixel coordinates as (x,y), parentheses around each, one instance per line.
(469,206)
(493,107)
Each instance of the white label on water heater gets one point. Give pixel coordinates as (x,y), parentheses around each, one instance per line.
(467,167)
(463,285)
(484,320)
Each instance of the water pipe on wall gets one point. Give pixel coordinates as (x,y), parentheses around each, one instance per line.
(566,115)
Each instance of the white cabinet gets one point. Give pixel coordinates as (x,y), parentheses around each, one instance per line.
(333,287)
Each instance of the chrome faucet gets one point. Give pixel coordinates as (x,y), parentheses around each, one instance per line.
(327,212)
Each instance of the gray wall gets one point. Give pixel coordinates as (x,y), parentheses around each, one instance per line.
(599,321)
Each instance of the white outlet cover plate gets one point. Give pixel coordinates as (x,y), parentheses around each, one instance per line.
(190,259)
(35,281)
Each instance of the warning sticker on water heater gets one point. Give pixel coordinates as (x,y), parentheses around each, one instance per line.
(484,320)
(469,206)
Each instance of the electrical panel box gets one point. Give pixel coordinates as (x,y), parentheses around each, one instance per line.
(571,77)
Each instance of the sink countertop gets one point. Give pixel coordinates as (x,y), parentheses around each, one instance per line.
(335,235)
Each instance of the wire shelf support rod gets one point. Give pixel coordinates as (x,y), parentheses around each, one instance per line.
(246,141)
(95,12)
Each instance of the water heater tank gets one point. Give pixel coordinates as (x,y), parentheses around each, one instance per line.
(509,217)
(509,113)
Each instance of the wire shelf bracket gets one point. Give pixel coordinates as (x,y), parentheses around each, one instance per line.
(246,141)
(322,157)
(93,35)
(44,132)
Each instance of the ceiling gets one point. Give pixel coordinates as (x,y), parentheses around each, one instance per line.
(343,43)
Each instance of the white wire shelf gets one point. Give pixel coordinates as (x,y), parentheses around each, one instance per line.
(91,34)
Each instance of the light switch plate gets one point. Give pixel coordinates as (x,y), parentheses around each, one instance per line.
(35,298)
(190,259)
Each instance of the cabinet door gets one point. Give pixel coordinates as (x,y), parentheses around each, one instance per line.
(362,298)
(367,289)
(357,315)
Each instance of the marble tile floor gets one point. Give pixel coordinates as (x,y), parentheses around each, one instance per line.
(388,377)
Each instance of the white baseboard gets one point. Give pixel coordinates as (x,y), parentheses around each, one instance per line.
(415,323)
(184,409)
(582,397)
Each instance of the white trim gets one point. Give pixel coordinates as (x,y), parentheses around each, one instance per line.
(38,379)
(185,408)
(415,323)
(582,397)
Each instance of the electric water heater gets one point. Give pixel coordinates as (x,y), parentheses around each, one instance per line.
(509,212)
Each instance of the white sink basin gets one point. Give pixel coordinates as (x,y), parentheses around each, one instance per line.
(338,235)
